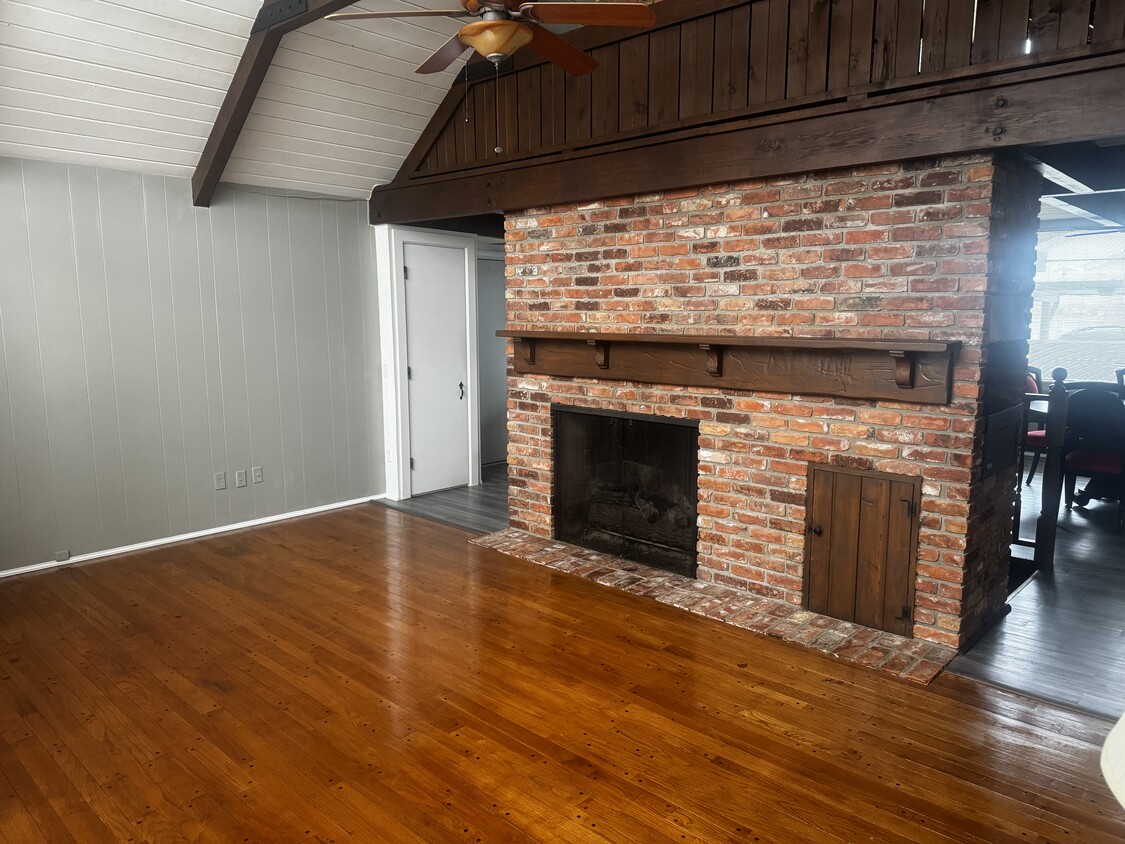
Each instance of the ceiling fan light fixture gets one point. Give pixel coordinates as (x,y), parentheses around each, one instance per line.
(495,39)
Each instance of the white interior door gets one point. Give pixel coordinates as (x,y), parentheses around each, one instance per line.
(438,366)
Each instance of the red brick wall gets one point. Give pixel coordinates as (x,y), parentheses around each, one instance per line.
(898,250)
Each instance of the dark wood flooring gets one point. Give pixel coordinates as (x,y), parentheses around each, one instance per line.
(482,508)
(1064,639)
(369,675)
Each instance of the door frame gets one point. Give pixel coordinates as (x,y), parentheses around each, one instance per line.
(390,242)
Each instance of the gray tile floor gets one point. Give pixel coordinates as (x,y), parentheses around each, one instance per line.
(1064,640)
(483,508)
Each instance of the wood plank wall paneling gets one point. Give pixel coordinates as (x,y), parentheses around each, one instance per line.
(1109,21)
(732,59)
(759,53)
(147,344)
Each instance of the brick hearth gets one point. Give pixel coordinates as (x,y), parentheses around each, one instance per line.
(907,659)
(927,250)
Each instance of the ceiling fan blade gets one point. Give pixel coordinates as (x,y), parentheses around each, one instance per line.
(590,14)
(420,13)
(564,54)
(443,56)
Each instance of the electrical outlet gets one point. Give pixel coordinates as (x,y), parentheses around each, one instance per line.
(220,481)
(256,474)
(62,556)
(240,478)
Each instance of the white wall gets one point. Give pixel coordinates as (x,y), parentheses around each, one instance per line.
(146,344)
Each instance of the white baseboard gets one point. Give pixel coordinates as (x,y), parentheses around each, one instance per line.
(168,540)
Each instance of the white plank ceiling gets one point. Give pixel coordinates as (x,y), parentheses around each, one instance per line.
(136,84)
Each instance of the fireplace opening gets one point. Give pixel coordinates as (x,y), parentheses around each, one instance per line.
(625,484)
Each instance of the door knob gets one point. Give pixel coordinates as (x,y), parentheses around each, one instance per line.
(461,386)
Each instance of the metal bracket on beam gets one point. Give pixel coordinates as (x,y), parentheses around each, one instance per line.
(274,13)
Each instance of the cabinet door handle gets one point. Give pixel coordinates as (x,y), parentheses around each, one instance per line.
(461,386)
(816,530)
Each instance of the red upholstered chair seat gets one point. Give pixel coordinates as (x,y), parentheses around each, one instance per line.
(1087,462)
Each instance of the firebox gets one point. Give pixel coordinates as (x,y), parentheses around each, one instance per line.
(625,484)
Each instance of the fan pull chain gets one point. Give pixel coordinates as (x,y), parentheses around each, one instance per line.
(465,70)
(499,149)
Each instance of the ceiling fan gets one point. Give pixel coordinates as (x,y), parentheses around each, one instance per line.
(506,25)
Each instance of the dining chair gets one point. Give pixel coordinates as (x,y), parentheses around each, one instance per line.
(1034,439)
(1095,447)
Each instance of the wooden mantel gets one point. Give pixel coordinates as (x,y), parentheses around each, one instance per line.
(906,370)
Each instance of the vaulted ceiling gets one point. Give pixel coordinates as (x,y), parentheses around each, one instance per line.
(137,84)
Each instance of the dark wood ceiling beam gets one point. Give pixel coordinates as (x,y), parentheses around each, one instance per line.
(1077,106)
(257,55)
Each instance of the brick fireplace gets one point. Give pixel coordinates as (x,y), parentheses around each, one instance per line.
(933,250)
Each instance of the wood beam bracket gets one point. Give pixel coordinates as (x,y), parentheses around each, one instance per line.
(904,368)
(601,353)
(526,346)
(714,358)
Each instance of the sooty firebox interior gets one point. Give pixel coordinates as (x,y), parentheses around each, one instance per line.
(625,484)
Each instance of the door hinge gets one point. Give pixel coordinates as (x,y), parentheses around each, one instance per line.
(411,463)
(910,506)
(405,273)
(408,375)
(906,614)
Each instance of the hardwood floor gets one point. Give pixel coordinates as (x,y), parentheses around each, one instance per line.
(368,674)
(482,508)
(1064,639)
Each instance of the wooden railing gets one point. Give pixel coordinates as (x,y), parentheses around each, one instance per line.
(755,58)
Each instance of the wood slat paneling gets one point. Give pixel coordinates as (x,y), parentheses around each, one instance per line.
(697,67)
(633,83)
(663,76)
(959,34)
(577,107)
(732,59)
(909,38)
(552,93)
(935,35)
(530,108)
(1044,28)
(604,97)
(777,51)
(761,52)
(798,53)
(883,59)
(1074,23)
(1109,21)
(1014,22)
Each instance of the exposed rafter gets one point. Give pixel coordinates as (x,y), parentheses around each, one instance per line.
(260,49)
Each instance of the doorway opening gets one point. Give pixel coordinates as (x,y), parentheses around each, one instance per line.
(444,375)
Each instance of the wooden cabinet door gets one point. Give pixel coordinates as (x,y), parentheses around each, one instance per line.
(862,530)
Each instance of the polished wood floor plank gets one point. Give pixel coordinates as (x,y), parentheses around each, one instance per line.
(368,674)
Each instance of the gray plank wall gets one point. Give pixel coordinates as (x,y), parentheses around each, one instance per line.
(146,344)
